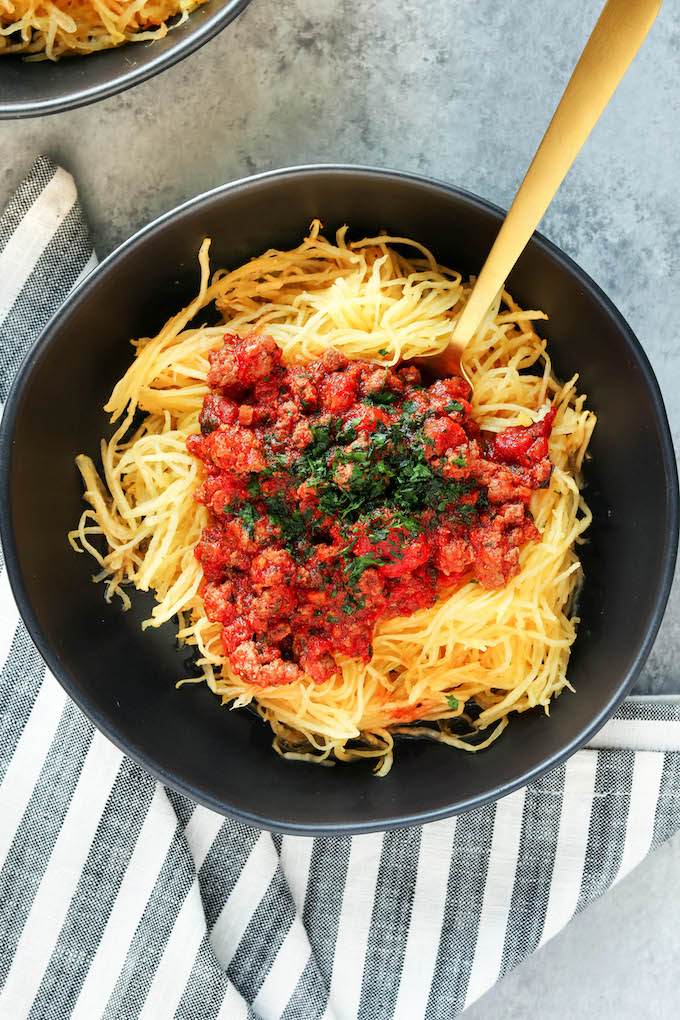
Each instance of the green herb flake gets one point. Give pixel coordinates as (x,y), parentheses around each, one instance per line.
(248,514)
(452,702)
(380,398)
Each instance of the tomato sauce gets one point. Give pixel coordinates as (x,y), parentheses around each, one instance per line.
(340,493)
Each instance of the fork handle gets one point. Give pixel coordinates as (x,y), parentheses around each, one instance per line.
(616,38)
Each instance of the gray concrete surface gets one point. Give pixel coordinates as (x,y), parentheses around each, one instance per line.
(461,90)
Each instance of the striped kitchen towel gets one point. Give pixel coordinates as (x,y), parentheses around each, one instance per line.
(121,899)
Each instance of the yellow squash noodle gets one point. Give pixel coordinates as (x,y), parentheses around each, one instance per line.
(49,29)
(382,299)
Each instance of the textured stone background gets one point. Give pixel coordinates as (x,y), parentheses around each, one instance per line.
(461,90)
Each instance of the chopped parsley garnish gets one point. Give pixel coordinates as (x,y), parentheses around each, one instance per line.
(380,398)
(358,564)
(382,480)
(248,514)
(295,526)
(347,435)
(452,702)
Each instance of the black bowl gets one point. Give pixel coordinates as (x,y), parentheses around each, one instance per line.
(123,679)
(31,89)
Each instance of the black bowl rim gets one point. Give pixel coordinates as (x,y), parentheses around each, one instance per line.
(93,93)
(136,752)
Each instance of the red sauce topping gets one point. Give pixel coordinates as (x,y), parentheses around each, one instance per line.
(341,493)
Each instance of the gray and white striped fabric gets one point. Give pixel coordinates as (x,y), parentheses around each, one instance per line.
(122,899)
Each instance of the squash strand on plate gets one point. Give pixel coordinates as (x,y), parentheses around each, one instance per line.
(504,650)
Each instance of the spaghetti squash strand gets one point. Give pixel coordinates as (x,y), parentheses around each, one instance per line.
(504,650)
(42,30)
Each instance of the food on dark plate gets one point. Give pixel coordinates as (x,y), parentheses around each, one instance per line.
(50,29)
(357,550)
(341,493)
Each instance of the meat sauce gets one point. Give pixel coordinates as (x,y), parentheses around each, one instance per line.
(340,493)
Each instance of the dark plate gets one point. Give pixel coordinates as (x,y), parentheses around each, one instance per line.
(35,88)
(123,679)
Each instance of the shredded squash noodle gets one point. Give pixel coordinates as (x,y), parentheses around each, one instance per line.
(454,672)
(49,29)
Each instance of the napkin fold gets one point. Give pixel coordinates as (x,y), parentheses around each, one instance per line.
(120,898)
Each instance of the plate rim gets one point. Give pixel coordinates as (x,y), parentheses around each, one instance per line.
(74,99)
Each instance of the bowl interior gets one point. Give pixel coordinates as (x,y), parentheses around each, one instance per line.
(124,679)
(33,88)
